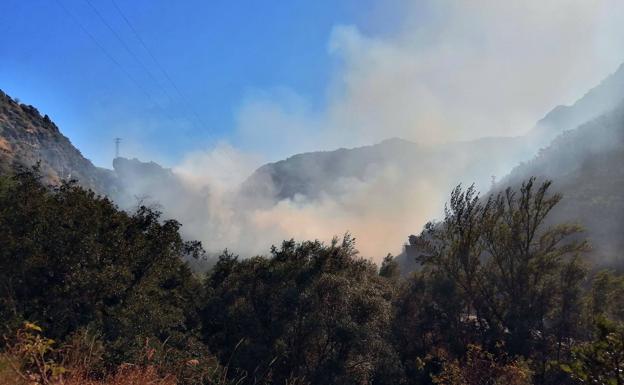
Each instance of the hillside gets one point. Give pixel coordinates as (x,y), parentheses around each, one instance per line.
(317,173)
(395,185)
(28,138)
(586,166)
(597,101)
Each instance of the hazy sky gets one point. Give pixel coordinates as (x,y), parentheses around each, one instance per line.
(277,77)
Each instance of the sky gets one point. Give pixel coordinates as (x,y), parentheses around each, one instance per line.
(214,89)
(274,78)
(97,84)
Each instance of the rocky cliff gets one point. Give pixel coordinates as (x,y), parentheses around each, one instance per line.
(27,138)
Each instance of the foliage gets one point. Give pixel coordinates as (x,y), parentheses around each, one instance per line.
(480,367)
(494,271)
(600,361)
(389,268)
(72,261)
(311,311)
(606,298)
(31,356)
(502,296)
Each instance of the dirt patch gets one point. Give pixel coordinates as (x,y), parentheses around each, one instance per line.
(5,146)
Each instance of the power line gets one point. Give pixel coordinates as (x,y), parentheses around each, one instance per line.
(129,50)
(162,69)
(185,101)
(111,57)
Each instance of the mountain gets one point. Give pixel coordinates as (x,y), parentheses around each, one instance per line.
(143,182)
(586,167)
(578,146)
(583,159)
(317,173)
(599,100)
(28,138)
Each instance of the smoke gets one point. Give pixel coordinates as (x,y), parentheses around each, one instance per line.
(452,70)
(449,71)
(377,208)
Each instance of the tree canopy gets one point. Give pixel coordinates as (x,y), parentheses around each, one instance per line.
(502,295)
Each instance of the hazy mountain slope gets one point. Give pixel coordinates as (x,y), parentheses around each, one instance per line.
(380,190)
(597,101)
(145,183)
(586,166)
(317,173)
(26,138)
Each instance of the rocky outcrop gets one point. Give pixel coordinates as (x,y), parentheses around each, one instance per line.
(27,138)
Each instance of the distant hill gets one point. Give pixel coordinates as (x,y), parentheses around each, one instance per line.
(316,173)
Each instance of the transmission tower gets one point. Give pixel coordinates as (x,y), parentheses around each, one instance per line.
(117,142)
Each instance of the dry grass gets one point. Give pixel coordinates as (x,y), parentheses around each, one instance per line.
(32,359)
(128,375)
(29,358)
(8,376)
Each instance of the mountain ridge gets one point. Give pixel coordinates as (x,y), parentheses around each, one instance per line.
(27,137)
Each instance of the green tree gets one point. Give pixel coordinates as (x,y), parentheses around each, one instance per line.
(494,272)
(600,361)
(310,311)
(70,260)
(389,268)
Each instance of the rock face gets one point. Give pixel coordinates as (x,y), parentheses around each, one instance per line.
(27,138)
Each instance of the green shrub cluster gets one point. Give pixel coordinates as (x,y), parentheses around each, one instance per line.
(501,296)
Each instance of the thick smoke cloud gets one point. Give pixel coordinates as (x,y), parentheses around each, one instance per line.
(452,70)
(467,69)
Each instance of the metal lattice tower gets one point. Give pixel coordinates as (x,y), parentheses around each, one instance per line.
(117,142)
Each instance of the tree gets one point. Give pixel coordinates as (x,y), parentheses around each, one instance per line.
(496,273)
(310,311)
(527,262)
(389,268)
(70,260)
(600,361)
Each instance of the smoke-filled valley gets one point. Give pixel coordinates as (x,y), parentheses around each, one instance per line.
(360,192)
(379,193)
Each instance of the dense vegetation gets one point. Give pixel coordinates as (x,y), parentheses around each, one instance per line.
(90,294)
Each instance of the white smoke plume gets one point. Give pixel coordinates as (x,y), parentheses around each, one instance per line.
(451,70)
